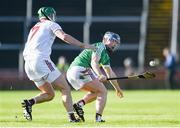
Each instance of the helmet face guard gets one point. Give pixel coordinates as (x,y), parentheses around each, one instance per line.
(112,37)
(47,12)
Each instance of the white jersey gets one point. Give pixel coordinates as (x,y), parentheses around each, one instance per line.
(40,40)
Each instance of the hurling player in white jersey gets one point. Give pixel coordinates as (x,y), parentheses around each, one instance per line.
(39,67)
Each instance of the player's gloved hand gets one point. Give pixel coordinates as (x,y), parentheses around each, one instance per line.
(102,78)
(119,93)
(88,46)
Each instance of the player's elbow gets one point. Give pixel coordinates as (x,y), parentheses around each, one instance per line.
(94,63)
(65,37)
(62,35)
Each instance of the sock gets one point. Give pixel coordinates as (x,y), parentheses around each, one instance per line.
(71,116)
(81,103)
(98,117)
(32,101)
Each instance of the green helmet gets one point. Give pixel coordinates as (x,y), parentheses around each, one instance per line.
(47,12)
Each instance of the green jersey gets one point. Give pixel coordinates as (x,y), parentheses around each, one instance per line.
(84,58)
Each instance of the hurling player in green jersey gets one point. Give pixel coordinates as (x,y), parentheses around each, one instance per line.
(88,62)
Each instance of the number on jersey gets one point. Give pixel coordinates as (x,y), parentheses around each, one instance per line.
(34,30)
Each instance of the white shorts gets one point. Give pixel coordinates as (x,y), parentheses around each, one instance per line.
(41,71)
(77,76)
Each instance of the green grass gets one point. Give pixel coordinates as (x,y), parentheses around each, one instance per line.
(137,108)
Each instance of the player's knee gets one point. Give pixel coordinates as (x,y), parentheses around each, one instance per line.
(103,90)
(66,90)
(65,87)
(50,96)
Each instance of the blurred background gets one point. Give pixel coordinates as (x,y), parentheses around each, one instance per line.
(146,27)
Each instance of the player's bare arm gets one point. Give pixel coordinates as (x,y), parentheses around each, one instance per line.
(95,66)
(110,73)
(71,40)
(40,68)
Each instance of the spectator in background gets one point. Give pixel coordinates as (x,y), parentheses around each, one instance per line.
(170,65)
(62,64)
(128,65)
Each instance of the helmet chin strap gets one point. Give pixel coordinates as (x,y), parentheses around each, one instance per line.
(45,15)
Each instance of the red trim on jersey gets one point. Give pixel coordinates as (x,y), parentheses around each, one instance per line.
(34,30)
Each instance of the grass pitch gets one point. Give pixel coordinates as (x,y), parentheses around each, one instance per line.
(137,109)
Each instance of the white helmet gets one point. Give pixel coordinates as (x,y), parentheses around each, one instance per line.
(112,36)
